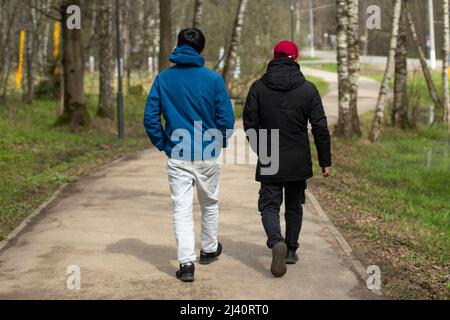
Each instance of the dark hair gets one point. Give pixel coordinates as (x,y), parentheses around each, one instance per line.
(193,37)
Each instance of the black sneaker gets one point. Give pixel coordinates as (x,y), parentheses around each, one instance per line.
(279,252)
(291,257)
(186,272)
(208,258)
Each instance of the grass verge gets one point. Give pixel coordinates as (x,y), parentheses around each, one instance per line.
(36,157)
(392,202)
(369,71)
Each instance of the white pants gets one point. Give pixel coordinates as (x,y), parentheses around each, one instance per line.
(183,176)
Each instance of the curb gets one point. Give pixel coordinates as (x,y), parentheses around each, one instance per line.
(15,233)
(30,218)
(348,251)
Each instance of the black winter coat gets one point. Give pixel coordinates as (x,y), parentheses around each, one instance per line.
(283,99)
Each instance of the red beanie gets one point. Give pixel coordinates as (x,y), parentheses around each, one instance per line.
(289,48)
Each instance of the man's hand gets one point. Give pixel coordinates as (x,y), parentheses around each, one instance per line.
(326,172)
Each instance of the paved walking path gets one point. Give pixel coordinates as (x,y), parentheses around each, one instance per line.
(368,93)
(116,226)
(330,57)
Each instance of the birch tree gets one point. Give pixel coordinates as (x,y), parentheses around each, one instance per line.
(198,14)
(445,57)
(31,36)
(165,12)
(344,125)
(353,62)
(231,57)
(378,120)
(423,61)
(45,40)
(8,16)
(399,114)
(105,29)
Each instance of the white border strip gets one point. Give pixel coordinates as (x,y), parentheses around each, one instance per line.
(359,267)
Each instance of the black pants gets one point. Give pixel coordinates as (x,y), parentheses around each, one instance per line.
(270,201)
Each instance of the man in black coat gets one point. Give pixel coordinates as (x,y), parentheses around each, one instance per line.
(281,103)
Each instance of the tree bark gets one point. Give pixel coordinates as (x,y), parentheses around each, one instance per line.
(127,42)
(105,18)
(145,16)
(399,116)
(8,15)
(29,57)
(445,57)
(166,44)
(378,119)
(45,41)
(75,111)
(198,14)
(344,125)
(32,38)
(93,31)
(230,60)
(423,61)
(354,64)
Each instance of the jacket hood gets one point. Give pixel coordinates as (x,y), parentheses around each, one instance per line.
(283,75)
(186,55)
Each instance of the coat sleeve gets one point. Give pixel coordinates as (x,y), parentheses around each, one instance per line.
(152,118)
(224,111)
(320,130)
(251,115)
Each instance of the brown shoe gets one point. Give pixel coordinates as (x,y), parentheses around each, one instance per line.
(279,252)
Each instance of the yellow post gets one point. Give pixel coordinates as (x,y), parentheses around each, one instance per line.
(56,37)
(19,73)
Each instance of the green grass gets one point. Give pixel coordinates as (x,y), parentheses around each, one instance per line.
(36,157)
(321,85)
(393,196)
(368,71)
(330,67)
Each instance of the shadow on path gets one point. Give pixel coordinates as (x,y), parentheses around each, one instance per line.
(158,256)
(161,256)
(248,254)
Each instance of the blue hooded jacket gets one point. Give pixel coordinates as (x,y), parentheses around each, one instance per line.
(195,105)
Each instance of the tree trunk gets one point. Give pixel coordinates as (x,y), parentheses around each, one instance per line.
(127,43)
(105,18)
(198,14)
(378,119)
(166,45)
(344,125)
(7,18)
(145,16)
(45,40)
(354,64)
(399,115)
(423,61)
(445,56)
(230,60)
(75,111)
(93,37)
(29,55)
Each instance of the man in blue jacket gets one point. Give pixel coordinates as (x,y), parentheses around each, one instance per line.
(198,121)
